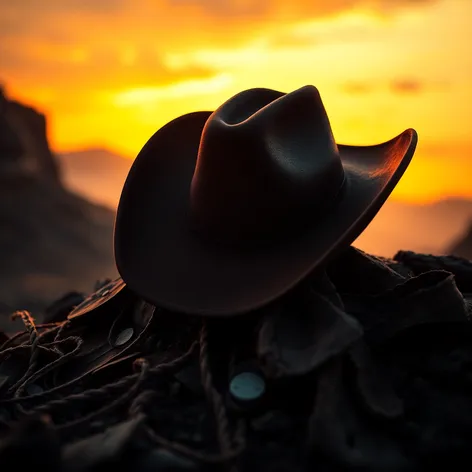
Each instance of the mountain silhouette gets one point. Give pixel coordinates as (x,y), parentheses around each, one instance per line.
(51,240)
(97,174)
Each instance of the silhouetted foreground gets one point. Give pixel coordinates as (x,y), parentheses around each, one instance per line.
(362,365)
(50,239)
(366,368)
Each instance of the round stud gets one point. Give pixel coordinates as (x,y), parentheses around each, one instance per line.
(124,336)
(247,386)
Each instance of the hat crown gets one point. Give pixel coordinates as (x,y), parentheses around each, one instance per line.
(267,163)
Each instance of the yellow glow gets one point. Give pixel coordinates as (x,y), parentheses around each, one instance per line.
(140,96)
(112,77)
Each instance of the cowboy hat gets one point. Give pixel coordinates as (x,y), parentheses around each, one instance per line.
(223,212)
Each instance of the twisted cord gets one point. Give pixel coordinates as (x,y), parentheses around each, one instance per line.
(13,338)
(61,329)
(61,360)
(138,405)
(143,366)
(86,395)
(228,446)
(34,343)
(7,349)
(123,383)
(49,367)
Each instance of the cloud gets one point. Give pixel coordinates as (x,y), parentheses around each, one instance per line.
(83,42)
(59,19)
(227,8)
(103,67)
(39,9)
(357,87)
(406,85)
(149,95)
(168,24)
(19,17)
(265,8)
(401,85)
(290,40)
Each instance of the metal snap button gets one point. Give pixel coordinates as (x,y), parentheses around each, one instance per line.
(124,336)
(247,386)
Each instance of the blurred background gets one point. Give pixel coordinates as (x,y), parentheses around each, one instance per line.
(86,83)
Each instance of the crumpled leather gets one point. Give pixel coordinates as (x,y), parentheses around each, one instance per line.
(297,339)
(355,272)
(367,367)
(341,434)
(113,291)
(373,383)
(99,351)
(429,298)
(4,337)
(105,449)
(446,434)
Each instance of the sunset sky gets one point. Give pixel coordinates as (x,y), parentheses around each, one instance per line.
(109,73)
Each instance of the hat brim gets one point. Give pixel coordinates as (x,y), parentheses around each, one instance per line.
(162,260)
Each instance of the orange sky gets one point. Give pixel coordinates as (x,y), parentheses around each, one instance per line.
(110,72)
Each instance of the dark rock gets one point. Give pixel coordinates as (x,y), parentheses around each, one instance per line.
(24,147)
(52,241)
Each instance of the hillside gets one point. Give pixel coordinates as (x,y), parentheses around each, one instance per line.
(51,240)
(97,174)
(463,246)
(429,228)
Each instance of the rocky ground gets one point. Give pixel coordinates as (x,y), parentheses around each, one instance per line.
(51,240)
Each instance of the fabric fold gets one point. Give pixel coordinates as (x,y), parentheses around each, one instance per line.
(343,436)
(431,298)
(299,336)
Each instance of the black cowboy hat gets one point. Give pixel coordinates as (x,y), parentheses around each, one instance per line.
(223,212)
